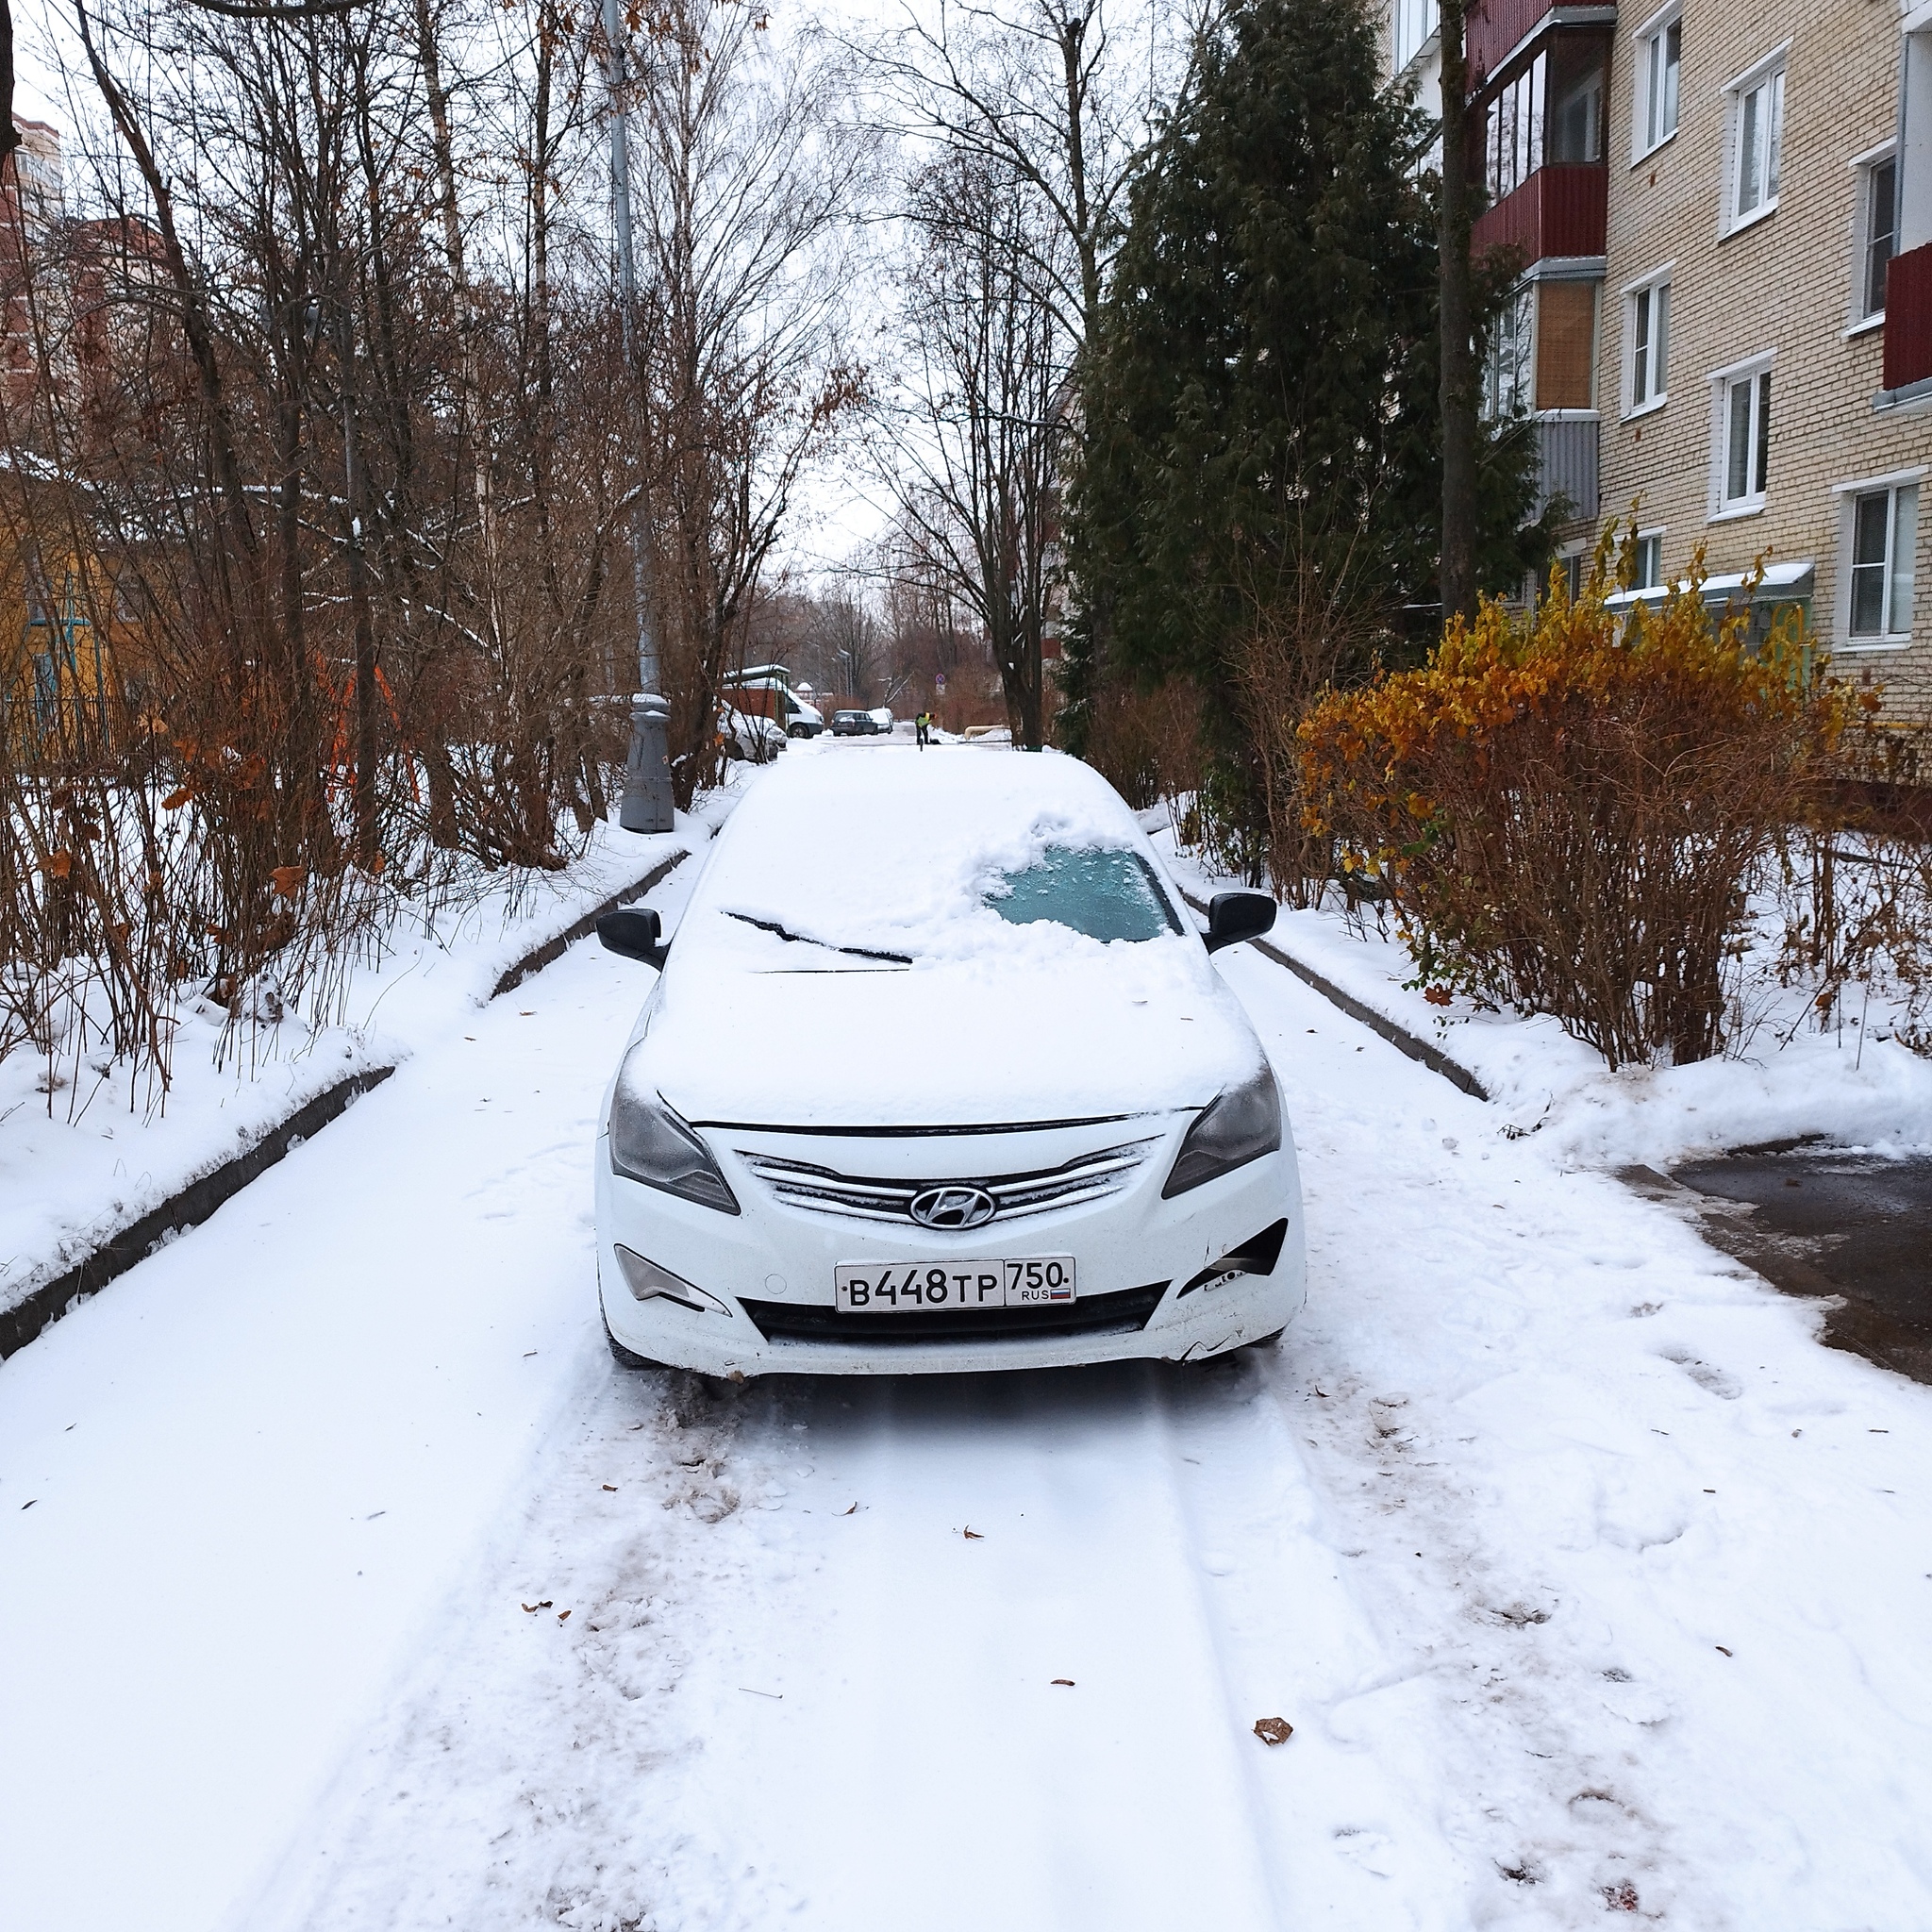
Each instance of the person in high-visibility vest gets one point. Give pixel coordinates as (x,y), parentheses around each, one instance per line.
(922,726)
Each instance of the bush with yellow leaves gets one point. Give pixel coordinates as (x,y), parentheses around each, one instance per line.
(1567,809)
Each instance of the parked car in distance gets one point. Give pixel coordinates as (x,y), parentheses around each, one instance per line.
(1086,1160)
(853,724)
(760,740)
(883,718)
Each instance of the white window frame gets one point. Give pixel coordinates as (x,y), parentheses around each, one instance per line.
(1863,168)
(1848,495)
(1403,14)
(1659,392)
(1649,41)
(1654,537)
(1724,507)
(1766,73)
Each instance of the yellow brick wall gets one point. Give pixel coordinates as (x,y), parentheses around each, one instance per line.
(1784,284)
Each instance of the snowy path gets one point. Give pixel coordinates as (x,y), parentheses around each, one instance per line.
(1478,1528)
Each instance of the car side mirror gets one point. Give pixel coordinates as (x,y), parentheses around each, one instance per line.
(632,933)
(1233,917)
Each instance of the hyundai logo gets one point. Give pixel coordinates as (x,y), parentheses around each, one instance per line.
(953,1207)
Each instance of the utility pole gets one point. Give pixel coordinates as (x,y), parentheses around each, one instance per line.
(1458,371)
(646,806)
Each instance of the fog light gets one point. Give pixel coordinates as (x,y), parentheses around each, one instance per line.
(649,1282)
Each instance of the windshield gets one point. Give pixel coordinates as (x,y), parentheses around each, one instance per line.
(1107,894)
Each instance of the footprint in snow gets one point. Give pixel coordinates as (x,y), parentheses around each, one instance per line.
(1726,1386)
(1373,1851)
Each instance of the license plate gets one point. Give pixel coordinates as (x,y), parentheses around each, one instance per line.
(868,1287)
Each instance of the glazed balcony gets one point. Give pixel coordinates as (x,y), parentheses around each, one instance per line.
(1497,27)
(1561,210)
(1908,318)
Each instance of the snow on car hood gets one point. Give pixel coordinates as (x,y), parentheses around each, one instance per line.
(842,963)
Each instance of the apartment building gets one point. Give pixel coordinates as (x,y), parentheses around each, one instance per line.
(1723,210)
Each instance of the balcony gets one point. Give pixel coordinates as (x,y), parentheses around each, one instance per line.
(1908,318)
(1496,27)
(1561,210)
(1567,464)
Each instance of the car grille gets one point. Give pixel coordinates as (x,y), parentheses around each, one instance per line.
(1089,1177)
(1123,1312)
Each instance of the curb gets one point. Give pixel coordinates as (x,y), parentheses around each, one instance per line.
(190,1205)
(552,950)
(1399,1037)
(45,1305)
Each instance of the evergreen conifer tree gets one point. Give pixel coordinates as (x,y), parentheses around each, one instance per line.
(1264,406)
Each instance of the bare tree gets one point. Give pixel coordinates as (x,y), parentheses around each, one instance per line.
(750,174)
(974,450)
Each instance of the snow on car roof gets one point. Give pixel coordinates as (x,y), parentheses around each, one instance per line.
(849,901)
(900,851)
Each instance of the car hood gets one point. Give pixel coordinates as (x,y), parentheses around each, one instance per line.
(1062,1027)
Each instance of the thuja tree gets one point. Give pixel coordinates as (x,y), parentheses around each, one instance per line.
(1264,406)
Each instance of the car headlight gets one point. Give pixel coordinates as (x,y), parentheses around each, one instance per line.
(1238,1126)
(649,1144)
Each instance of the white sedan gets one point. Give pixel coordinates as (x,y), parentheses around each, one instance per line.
(1071,1150)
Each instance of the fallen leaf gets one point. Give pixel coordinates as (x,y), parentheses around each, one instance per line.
(30,1502)
(973,1535)
(848,1512)
(563,1616)
(611,1487)
(1067,1681)
(1273,1730)
(545,1605)
(1728,1653)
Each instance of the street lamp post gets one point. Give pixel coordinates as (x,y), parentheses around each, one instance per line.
(646,806)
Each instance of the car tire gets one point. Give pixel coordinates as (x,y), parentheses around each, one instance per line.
(624,1358)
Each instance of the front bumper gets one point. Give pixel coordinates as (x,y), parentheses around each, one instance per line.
(770,1267)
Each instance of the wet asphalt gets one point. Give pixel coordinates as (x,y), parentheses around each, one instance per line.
(1848,1228)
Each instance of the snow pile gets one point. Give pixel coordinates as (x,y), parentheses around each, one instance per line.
(1784,1080)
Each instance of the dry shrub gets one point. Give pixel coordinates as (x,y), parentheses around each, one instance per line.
(1146,744)
(1568,808)
(1858,881)
(1314,633)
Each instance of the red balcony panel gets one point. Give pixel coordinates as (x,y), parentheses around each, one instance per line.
(1561,210)
(1908,317)
(1497,26)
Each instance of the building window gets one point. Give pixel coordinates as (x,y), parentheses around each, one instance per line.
(1508,390)
(1514,130)
(1648,333)
(1741,437)
(1659,55)
(1877,233)
(1411,22)
(1649,572)
(1758,128)
(1884,548)
(1575,130)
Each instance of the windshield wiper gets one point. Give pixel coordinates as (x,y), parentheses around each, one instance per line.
(800,938)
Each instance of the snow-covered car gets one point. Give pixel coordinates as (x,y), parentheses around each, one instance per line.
(881,715)
(748,735)
(1081,1158)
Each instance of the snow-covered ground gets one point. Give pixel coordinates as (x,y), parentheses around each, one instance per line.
(350,1586)
(80,1163)
(1783,1076)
